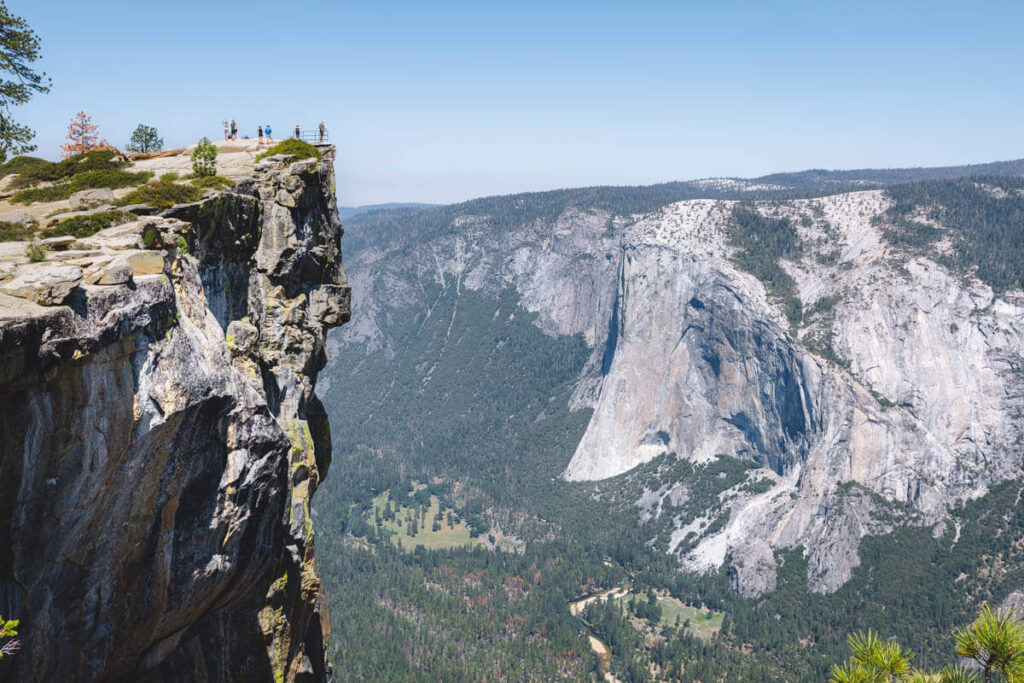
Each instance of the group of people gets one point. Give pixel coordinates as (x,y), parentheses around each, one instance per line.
(231,131)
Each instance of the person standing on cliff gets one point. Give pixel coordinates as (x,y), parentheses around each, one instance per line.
(298,131)
(270,136)
(227,134)
(259,134)
(323,129)
(234,130)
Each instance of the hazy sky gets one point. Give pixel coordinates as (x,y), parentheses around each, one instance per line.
(446,100)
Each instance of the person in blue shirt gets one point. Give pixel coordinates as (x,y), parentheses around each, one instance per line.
(270,137)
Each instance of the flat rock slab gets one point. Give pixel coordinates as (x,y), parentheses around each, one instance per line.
(15,217)
(58,242)
(146,262)
(46,285)
(91,198)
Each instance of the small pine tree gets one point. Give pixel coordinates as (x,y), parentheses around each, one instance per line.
(82,136)
(204,158)
(8,629)
(145,139)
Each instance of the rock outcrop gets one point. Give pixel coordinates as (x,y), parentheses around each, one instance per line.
(160,440)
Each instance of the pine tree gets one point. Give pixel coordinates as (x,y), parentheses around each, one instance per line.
(19,47)
(145,139)
(82,136)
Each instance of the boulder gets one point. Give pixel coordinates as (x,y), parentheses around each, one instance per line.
(44,284)
(117,272)
(90,199)
(241,337)
(303,166)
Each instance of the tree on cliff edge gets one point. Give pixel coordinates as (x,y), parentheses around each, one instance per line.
(82,136)
(19,47)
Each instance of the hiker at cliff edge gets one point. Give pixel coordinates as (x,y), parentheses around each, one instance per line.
(298,131)
(259,134)
(323,129)
(270,136)
(234,130)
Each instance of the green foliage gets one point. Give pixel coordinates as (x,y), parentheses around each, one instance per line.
(19,48)
(995,641)
(145,139)
(169,177)
(212,182)
(35,252)
(15,232)
(58,171)
(8,629)
(760,243)
(872,659)
(88,224)
(954,673)
(20,164)
(204,158)
(162,195)
(297,149)
(42,194)
(983,218)
(88,180)
(107,178)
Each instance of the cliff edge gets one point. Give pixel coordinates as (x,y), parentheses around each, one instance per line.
(160,440)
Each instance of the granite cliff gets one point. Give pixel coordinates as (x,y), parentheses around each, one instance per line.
(160,440)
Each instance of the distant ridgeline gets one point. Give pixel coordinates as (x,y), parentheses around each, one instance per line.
(775,404)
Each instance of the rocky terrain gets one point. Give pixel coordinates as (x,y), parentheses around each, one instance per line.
(882,388)
(160,441)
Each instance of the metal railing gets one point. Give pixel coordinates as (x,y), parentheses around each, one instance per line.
(312,136)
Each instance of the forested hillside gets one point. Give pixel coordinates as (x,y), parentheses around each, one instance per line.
(464,413)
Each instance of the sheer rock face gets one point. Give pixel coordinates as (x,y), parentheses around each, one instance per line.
(160,443)
(897,395)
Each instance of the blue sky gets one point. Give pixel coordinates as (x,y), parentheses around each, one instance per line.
(447,100)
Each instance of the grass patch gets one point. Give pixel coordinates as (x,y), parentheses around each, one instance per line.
(700,622)
(212,182)
(397,529)
(705,624)
(169,177)
(297,149)
(15,232)
(162,194)
(85,226)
